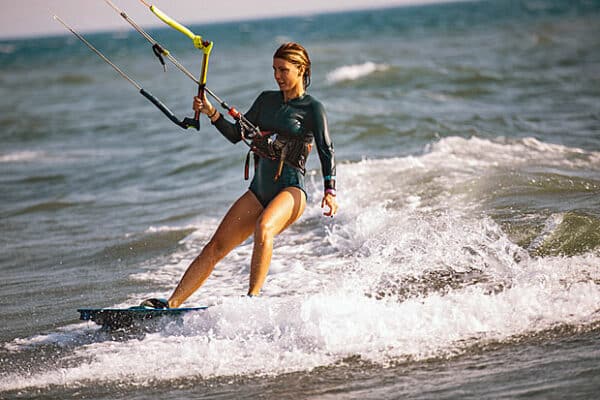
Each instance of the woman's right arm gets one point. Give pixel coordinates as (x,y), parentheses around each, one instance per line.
(231,131)
(227,129)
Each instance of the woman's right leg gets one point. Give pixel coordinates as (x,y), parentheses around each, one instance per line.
(237,225)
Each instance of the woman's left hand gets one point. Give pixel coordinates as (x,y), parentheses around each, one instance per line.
(329,201)
(203,105)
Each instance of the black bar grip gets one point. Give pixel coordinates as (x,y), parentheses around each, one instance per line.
(190,123)
(185,124)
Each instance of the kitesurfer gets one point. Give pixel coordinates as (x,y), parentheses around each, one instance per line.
(290,120)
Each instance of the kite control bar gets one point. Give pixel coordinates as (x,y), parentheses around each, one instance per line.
(201,44)
(249,130)
(185,123)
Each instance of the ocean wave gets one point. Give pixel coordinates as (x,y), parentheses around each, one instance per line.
(302,333)
(169,228)
(21,156)
(46,207)
(455,231)
(354,72)
(35,156)
(195,166)
(481,152)
(74,79)
(567,233)
(151,241)
(413,270)
(7,48)
(52,156)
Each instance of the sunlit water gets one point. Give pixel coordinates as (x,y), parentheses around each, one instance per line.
(464,262)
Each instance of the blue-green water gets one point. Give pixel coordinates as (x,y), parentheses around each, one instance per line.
(464,263)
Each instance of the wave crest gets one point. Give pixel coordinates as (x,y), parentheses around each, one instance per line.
(354,72)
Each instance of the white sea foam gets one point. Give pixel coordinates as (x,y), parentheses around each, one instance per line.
(168,228)
(21,156)
(36,156)
(353,72)
(274,336)
(63,337)
(411,273)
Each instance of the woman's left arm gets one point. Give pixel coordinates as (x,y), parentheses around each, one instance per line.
(327,158)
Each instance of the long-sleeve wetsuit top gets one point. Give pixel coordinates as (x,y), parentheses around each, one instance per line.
(303,117)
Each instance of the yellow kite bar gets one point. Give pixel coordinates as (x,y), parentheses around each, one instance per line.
(204,45)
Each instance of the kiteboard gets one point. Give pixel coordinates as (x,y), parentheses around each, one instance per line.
(119,318)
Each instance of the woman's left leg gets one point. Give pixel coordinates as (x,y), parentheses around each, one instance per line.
(237,225)
(281,212)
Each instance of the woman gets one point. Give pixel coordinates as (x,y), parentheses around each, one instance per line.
(290,120)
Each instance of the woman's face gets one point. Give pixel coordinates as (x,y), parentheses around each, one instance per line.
(287,75)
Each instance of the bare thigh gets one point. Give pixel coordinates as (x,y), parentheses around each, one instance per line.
(282,211)
(238,224)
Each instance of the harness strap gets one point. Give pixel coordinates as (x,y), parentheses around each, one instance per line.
(247,166)
(280,166)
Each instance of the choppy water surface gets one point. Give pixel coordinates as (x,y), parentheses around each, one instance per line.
(465,261)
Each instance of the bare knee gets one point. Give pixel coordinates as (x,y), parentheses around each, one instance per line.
(215,249)
(265,229)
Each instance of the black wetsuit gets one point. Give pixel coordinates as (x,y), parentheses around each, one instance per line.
(302,117)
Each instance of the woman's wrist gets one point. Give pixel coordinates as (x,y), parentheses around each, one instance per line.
(212,114)
(331,192)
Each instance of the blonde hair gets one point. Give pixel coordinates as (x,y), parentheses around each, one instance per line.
(296,54)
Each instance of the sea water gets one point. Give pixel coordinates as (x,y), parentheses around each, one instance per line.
(464,261)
